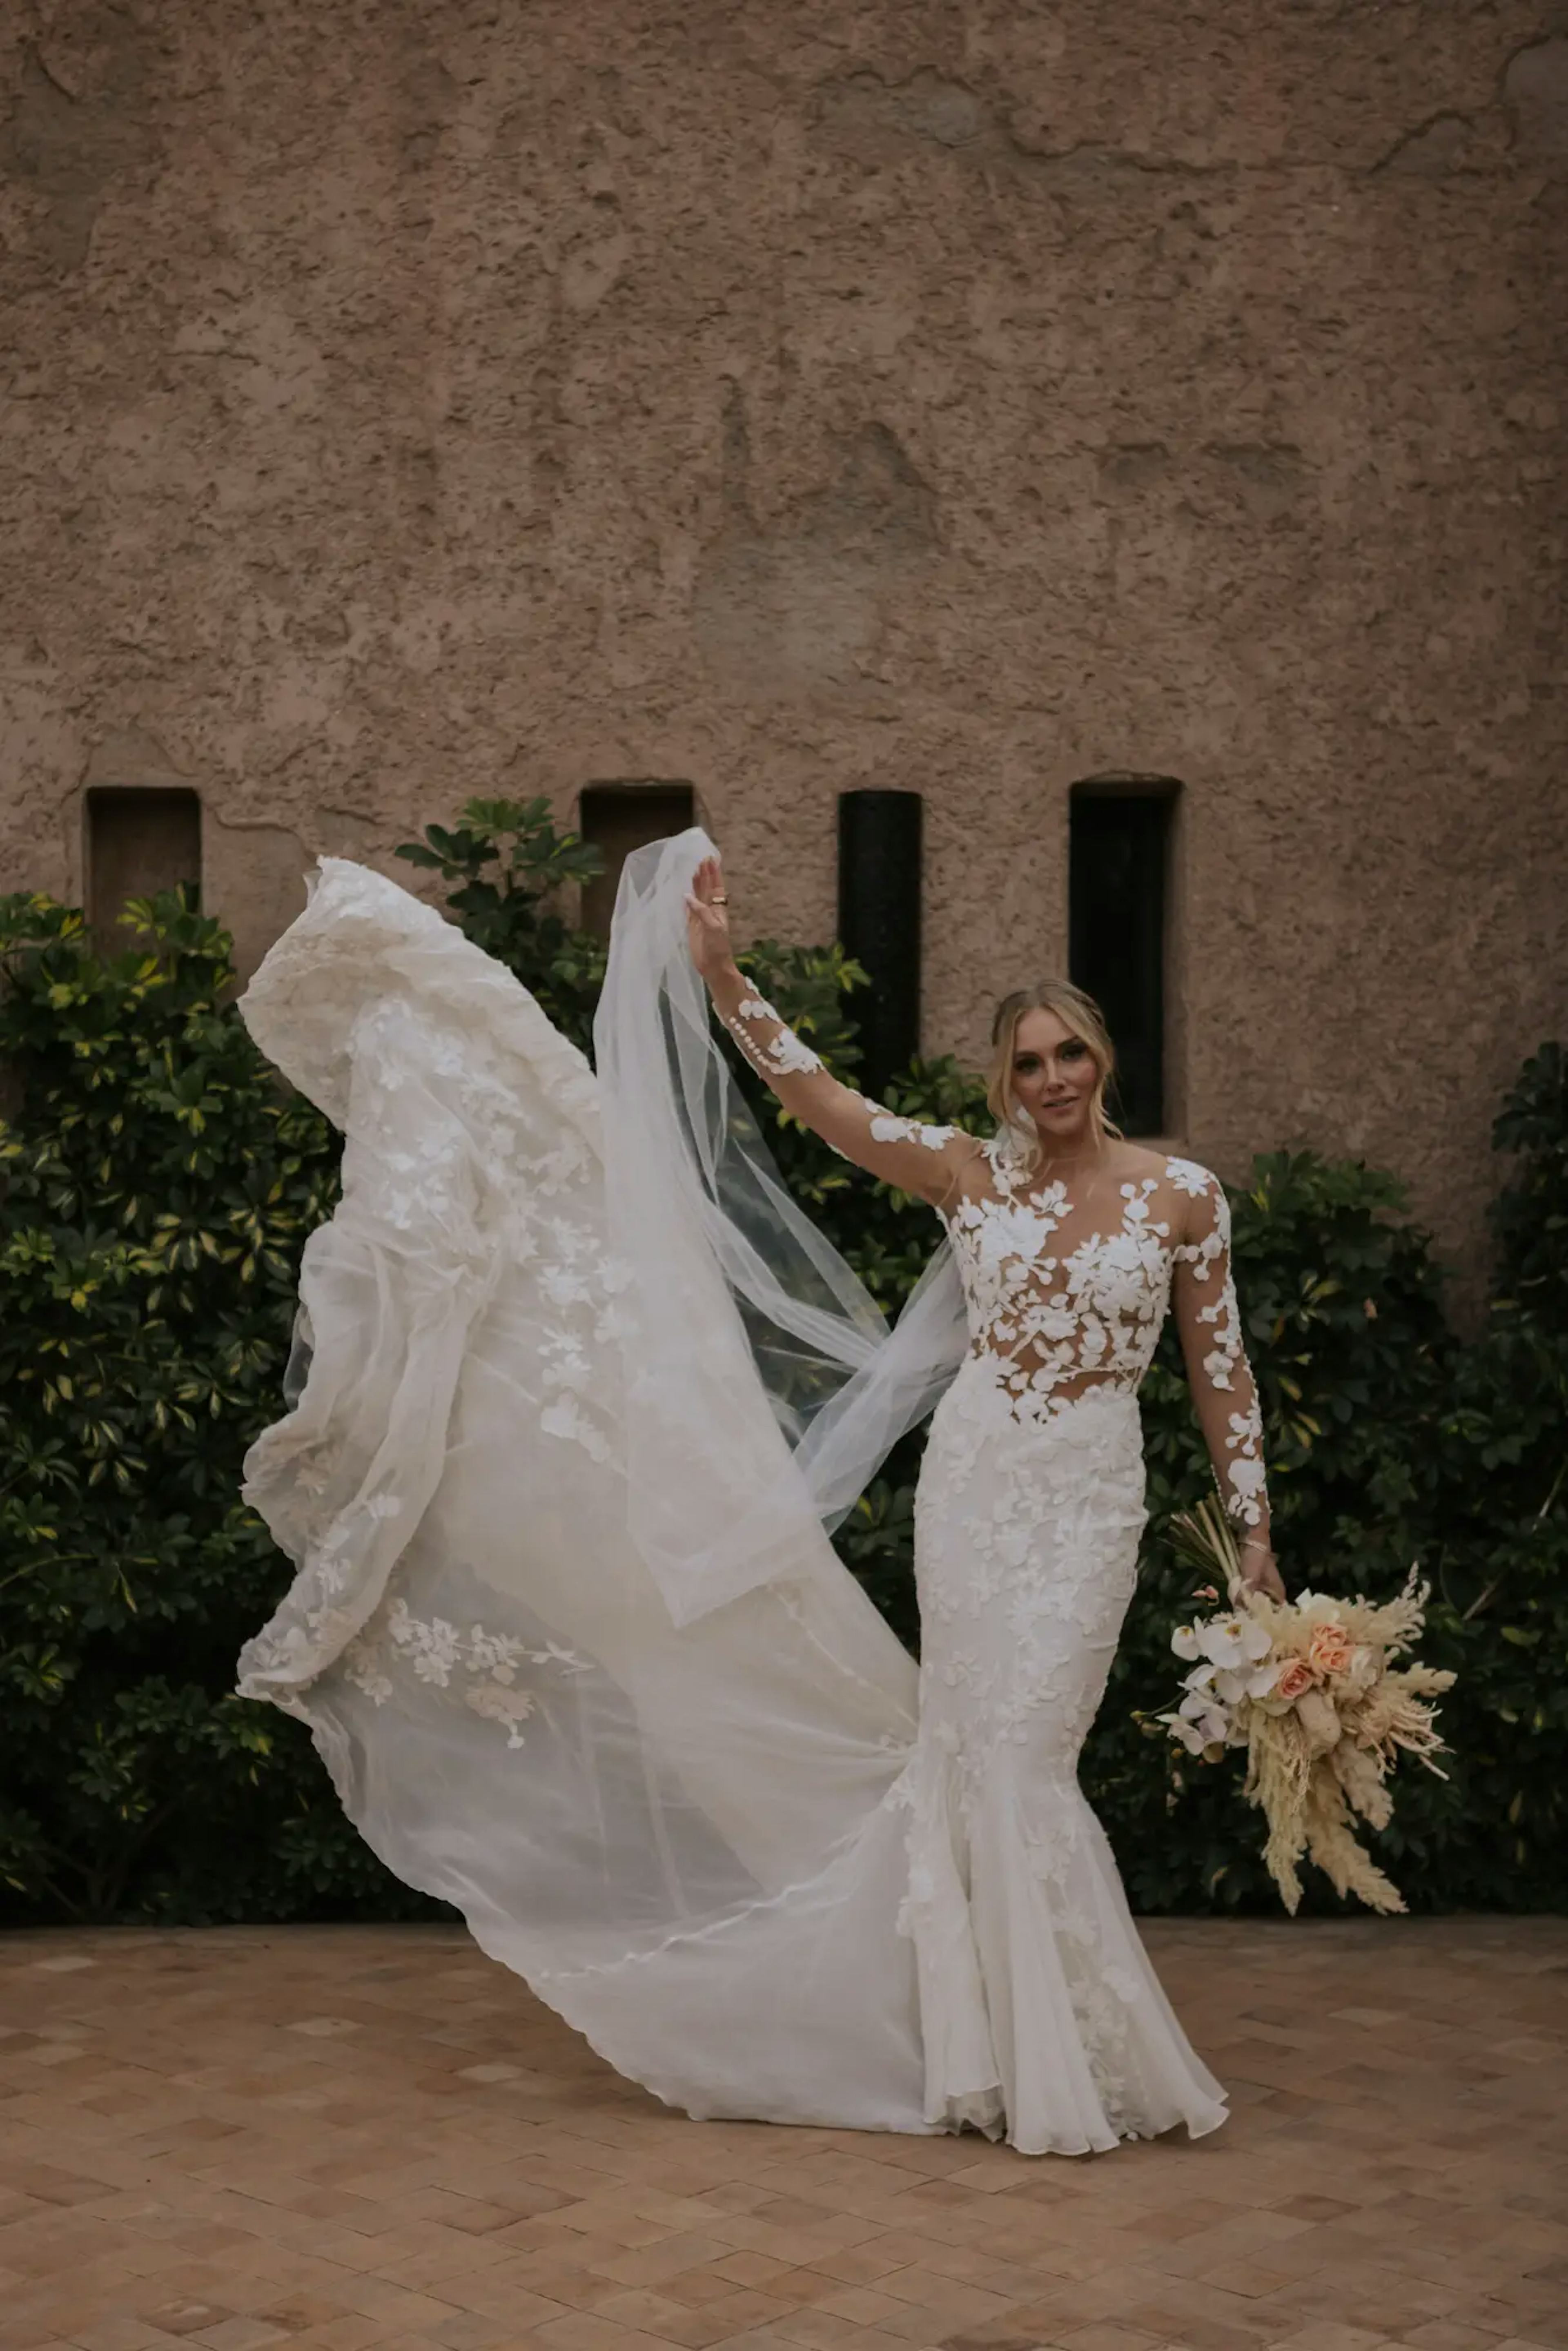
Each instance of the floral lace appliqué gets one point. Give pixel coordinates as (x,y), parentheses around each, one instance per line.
(1060,1308)
(1225,1365)
(434,1651)
(781,1055)
(886,1127)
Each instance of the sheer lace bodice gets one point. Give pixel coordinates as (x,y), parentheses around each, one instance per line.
(1067,1284)
(1067,1288)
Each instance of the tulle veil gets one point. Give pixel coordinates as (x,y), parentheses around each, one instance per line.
(695,1208)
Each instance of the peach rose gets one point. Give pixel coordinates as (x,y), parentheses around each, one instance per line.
(1295,1678)
(1330,1649)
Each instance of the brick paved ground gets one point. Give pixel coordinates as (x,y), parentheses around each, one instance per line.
(372,2137)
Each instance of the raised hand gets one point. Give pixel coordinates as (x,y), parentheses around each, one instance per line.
(707,920)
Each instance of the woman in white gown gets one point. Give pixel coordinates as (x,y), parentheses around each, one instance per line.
(578,1388)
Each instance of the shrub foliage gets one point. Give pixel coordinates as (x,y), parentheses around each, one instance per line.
(156,1186)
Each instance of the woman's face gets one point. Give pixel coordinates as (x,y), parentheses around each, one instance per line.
(1054,1075)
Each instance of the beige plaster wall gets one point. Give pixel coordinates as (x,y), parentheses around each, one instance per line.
(404,402)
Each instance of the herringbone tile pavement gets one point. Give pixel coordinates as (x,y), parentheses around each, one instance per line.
(371,2137)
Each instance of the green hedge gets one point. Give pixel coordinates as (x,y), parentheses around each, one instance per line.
(155,1186)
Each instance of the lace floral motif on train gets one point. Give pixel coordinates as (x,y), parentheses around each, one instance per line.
(434,1650)
(582,1290)
(479,1136)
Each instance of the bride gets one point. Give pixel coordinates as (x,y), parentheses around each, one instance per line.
(576,1395)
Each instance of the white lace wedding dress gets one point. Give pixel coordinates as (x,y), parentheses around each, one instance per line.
(565,1625)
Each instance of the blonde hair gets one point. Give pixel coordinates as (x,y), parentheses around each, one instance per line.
(1080,1013)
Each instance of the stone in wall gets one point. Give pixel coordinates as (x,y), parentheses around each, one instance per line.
(800,605)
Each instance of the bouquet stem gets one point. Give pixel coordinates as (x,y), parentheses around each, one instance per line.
(1205,1536)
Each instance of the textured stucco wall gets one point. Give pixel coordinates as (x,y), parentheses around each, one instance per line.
(403,402)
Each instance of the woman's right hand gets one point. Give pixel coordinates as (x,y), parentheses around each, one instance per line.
(707,921)
(1260,1572)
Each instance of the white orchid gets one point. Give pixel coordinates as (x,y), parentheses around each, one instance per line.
(1235,1683)
(1199,1723)
(1229,1640)
(1198,1708)
(1187,1733)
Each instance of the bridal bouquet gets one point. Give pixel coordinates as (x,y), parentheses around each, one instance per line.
(1308,1688)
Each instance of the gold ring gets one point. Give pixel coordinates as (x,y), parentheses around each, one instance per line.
(719,902)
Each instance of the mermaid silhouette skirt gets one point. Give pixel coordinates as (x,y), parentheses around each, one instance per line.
(767,1871)
(1039,2006)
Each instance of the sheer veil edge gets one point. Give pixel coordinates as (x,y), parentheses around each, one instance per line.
(695,1208)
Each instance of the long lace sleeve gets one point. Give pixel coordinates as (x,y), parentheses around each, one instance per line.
(917,1157)
(1210,1320)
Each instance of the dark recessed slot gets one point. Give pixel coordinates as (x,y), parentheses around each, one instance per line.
(618,818)
(139,839)
(1117,885)
(878,925)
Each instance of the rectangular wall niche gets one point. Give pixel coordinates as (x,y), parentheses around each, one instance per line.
(618,818)
(1118,878)
(139,839)
(878,925)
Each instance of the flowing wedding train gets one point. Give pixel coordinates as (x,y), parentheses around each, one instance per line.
(566,1626)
